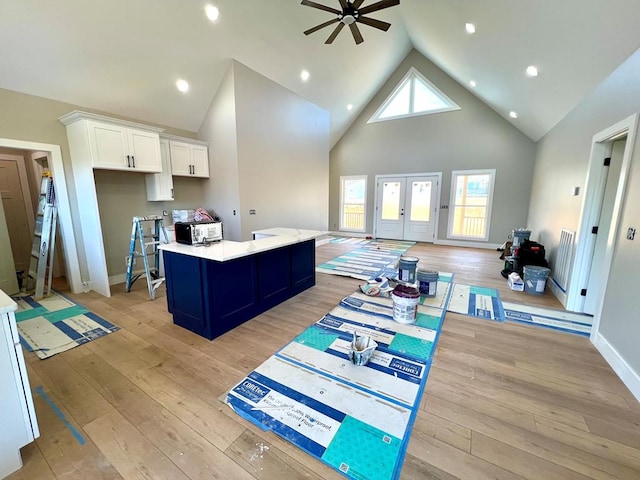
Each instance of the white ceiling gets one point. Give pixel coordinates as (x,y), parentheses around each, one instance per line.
(124,56)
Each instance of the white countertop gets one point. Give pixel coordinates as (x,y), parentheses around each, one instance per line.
(6,304)
(228,250)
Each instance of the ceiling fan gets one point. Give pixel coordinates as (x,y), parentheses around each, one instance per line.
(351,15)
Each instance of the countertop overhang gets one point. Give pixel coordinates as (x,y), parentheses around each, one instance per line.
(225,250)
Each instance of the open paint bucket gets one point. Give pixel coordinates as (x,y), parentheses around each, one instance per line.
(428,282)
(405,303)
(407,269)
(362,349)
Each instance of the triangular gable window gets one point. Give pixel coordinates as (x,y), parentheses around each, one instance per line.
(414,95)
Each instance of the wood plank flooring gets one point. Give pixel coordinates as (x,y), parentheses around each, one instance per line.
(503,401)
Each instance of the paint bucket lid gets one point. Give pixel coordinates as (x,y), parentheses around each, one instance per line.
(427,275)
(409,261)
(406,292)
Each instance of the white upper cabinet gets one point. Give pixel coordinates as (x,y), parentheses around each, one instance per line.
(189,158)
(115,144)
(160,185)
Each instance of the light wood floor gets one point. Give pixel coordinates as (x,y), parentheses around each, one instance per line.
(503,401)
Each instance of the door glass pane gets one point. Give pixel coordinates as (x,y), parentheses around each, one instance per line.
(390,200)
(421,201)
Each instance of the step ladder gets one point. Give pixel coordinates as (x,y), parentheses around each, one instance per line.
(44,241)
(137,235)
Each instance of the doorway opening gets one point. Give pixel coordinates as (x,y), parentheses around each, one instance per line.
(30,160)
(407,206)
(610,160)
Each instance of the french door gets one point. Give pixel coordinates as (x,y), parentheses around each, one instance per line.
(407,207)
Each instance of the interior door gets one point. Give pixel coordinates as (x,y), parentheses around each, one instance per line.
(8,280)
(15,212)
(390,207)
(596,275)
(420,208)
(407,208)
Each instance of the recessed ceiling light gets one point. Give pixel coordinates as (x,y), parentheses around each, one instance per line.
(304,75)
(212,12)
(532,71)
(513,114)
(472,83)
(182,85)
(470,27)
(349,107)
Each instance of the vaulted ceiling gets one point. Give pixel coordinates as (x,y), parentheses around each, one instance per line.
(124,56)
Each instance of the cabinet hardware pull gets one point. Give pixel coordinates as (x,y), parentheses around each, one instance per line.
(133,160)
(128,161)
(172,193)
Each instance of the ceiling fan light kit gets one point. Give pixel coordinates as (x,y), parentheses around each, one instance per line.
(351,14)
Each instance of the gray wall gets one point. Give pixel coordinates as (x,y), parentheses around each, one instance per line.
(475,137)
(219,129)
(120,195)
(561,164)
(270,154)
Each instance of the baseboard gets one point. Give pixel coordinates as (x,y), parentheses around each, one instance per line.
(560,294)
(350,234)
(122,277)
(628,376)
(462,243)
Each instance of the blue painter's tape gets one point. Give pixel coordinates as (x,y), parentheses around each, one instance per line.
(60,415)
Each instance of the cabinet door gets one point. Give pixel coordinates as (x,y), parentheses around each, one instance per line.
(144,148)
(108,145)
(160,185)
(200,161)
(180,159)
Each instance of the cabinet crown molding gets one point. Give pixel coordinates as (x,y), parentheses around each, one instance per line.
(78,115)
(176,138)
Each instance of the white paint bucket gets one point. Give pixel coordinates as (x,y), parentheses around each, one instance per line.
(405,304)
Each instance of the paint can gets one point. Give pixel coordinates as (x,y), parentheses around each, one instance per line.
(405,303)
(407,269)
(427,282)
(535,279)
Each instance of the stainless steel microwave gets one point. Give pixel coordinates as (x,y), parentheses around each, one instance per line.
(198,233)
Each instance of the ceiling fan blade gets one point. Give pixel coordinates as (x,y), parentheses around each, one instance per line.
(355,31)
(319,6)
(343,4)
(372,22)
(322,25)
(374,7)
(334,34)
(357,3)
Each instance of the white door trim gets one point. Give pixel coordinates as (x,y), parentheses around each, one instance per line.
(409,175)
(592,204)
(64,206)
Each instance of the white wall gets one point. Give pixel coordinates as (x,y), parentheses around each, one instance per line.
(269,152)
(561,164)
(475,137)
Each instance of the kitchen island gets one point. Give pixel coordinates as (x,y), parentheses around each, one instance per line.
(213,289)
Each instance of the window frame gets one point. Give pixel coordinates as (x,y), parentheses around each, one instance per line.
(413,72)
(342,228)
(452,206)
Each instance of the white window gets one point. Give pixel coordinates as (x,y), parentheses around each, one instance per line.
(353,202)
(470,204)
(414,95)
